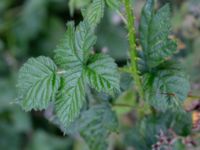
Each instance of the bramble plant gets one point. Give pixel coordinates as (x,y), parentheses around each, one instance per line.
(160,82)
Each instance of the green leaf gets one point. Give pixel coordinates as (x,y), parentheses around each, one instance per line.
(167,88)
(94,12)
(95,125)
(69,56)
(147,15)
(74,48)
(102,73)
(84,40)
(144,133)
(65,54)
(71,96)
(37,83)
(72,55)
(114,4)
(154,32)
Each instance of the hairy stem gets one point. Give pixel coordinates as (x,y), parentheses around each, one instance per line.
(132,43)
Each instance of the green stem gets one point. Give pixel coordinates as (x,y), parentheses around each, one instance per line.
(132,43)
(193,96)
(125,70)
(122,105)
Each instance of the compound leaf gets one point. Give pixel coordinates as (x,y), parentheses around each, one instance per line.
(72,55)
(154,32)
(37,83)
(167,87)
(102,73)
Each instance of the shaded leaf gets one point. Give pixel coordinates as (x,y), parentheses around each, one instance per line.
(154,32)
(167,88)
(144,134)
(95,125)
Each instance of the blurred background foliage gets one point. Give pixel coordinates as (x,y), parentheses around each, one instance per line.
(29,28)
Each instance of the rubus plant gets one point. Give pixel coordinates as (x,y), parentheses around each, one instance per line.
(159,80)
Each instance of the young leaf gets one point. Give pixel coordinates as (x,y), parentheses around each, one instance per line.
(167,87)
(95,125)
(37,83)
(94,12)
(102,73)
(154,32)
